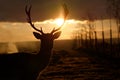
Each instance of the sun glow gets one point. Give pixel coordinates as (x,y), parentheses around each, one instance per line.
(23,32)
(59,21)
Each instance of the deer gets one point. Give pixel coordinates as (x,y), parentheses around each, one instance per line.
(26,66)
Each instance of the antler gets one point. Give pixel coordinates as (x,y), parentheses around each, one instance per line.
(66,12)
(54,30)
(28,10)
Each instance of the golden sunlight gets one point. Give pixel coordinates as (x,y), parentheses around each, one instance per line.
(23,31)
(59,21)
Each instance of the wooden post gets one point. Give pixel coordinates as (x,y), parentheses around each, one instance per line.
(96,47)
(110,36)
(103,38)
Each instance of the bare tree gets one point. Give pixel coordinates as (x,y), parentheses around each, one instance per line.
(91,27)
(113,10)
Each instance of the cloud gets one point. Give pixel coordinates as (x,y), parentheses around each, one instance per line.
(19,31)
(15,32)
(13,10)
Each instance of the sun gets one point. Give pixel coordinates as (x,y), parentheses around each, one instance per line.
(59,21)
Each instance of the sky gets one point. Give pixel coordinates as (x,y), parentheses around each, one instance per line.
(14,26)
(13,10)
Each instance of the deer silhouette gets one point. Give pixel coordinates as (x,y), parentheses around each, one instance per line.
(25,66)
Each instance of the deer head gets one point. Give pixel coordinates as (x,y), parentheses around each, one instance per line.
(46,38)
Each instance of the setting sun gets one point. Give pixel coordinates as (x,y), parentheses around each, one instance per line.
(59,21)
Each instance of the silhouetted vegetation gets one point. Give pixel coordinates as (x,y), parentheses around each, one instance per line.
(89,41)
(108,47)
(88,38)
(113,11)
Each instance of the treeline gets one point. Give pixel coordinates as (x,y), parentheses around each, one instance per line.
(87,38)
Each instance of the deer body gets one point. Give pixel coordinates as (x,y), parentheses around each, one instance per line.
(25,66)
(17,66)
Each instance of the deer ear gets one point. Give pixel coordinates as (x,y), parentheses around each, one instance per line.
(56,35)
(37,35)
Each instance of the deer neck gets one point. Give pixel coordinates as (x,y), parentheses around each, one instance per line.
(46,47)
(44,53)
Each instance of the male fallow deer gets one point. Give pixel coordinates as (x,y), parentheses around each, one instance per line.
(24,66)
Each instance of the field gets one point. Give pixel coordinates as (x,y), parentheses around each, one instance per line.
(68,64)
(72,65)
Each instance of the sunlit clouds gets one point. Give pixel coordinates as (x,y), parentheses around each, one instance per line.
(13,31)
(18,31)
(59,21)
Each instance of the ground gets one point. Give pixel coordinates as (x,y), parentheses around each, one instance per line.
(73,65)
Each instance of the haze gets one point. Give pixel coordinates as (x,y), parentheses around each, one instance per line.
(20,31)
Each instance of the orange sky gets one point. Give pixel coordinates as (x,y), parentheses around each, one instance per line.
(13,10)
(16,31)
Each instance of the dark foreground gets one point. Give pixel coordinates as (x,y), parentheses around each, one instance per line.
(71,65)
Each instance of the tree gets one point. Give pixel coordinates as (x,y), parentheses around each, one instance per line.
(91,27)
(113,10)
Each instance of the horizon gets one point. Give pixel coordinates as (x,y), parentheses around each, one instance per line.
(82,15)
(18,31)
